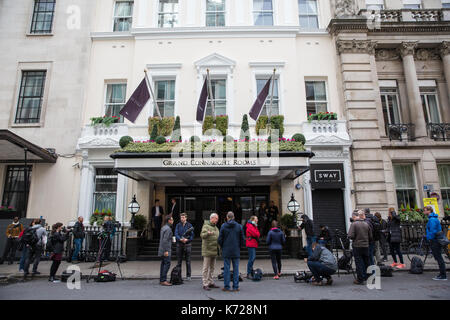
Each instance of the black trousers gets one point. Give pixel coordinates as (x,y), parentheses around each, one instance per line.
(158,223)
(184,251)
(275,256)
(54,268)
(436,249)
(106,243)
(10,249)
(362,262)
(383,245)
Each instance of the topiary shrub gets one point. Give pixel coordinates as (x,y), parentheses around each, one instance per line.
(208,123)
(124,141)
(176,131)
(261,123)
(299,138)
(245,133)
(228,139)
(166,125)
(152,122)
(154,133)
(140,222)
(222,124)
(160,140)
(277,122)
(194,139)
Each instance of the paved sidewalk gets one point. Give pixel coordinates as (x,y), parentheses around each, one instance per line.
(150,269)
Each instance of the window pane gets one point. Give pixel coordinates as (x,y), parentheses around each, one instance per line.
(316,90)
(30,97)
(124,9)
(42,16)
(404,176)
(263,19)
(14,188)
(444,175)
(215,5)
(259,5)
(105,190)
(433,108)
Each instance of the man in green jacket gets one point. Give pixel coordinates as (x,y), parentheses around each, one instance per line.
(209,235)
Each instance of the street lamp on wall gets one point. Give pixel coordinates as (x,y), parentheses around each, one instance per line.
(293,206)
(133,208)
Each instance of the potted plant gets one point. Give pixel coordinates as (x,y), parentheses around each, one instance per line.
(293,240)
(140,223)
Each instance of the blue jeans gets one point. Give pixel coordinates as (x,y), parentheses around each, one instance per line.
(165,266)
(77,243)
(322,242)
(319,270)
(226,272)
(23,257)
(309,242)
(251,260)
(371,253)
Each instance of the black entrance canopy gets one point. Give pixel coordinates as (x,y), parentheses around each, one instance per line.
(236,169)
(13,148)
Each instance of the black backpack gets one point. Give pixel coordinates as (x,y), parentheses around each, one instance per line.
(416,266)
(302,276)
(175,276)
(105,276)
(30,237)
(49,245)
(257,275)
(345,260)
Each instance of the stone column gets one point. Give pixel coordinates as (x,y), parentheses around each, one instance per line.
(406,50)
(86,188)
(445,55)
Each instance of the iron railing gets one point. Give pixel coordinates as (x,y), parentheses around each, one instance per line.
(401,132)
(91,244)
(439,131)
(414,232)
(407,15)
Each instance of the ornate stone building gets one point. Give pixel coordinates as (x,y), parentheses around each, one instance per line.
(394,69)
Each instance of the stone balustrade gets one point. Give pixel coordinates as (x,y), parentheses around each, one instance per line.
(407,15)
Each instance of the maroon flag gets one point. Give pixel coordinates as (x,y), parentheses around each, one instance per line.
(201,107)
(259,103)
(136,103)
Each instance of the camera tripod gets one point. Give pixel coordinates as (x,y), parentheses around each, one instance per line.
(338,242)
(99,259)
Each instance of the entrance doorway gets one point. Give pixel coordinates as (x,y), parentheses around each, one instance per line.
(200,202)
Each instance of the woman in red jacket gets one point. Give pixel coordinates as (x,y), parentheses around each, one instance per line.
(252,238)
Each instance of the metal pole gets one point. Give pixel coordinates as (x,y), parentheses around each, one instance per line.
(153,95)
(25,178)
(269,113)
(211,97)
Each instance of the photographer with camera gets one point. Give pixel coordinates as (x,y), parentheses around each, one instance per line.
(107,235)
(184,233)
(55,245)
(322,264)
(78,236)
(251,242)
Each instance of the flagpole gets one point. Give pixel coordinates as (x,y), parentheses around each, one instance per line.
(213,107)
(269,113)
(153,95)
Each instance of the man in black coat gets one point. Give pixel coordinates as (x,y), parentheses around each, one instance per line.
(157,215)
(174,211)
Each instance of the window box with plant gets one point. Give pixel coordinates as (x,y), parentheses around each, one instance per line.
(98,217)
(409,215)
(105,120)
(321,116)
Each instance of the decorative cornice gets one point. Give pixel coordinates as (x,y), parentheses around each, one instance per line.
(407,48)
(387,55)
(356,46)
(427,54)
(444,49)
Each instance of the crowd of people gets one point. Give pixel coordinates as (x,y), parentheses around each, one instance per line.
(33,241)
(369,233)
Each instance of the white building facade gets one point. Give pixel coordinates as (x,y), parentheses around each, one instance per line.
(240,43)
